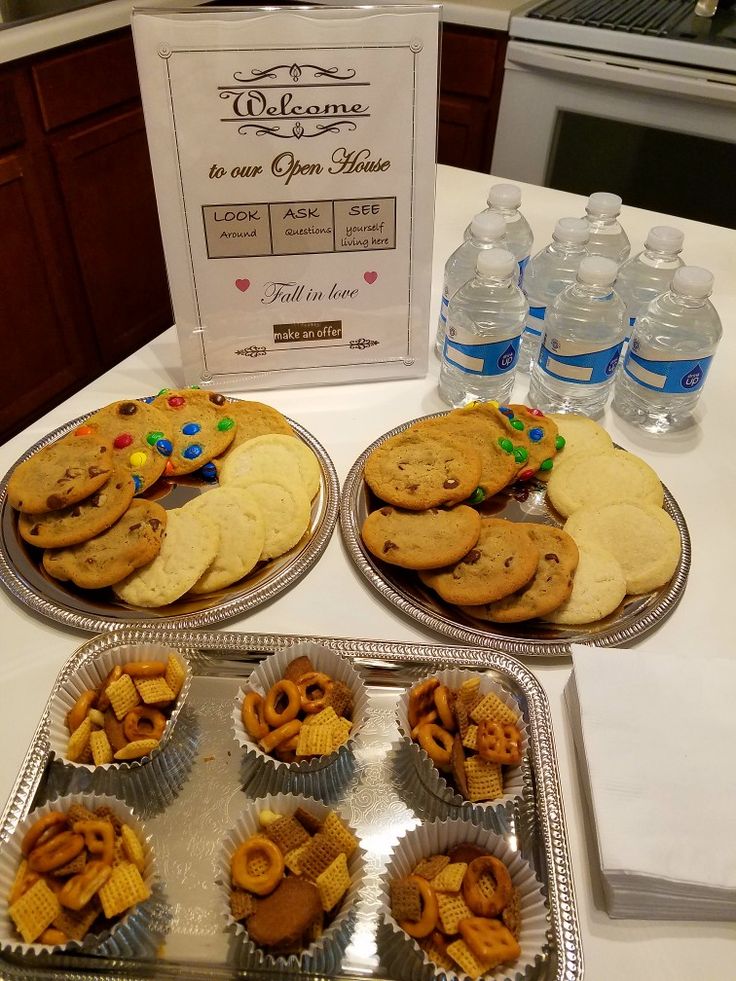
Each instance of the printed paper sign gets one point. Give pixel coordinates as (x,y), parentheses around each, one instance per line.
(293,153)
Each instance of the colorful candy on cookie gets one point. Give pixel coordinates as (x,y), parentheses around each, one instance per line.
(304,714)
(462,909)
(288,881)
(125,717)
(201,427)
(468,735)
(80,869)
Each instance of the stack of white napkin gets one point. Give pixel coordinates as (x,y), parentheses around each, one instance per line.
(655,734)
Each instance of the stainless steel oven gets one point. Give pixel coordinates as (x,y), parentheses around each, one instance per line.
(648,113)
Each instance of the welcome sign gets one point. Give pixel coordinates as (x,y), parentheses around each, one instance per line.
(293,153)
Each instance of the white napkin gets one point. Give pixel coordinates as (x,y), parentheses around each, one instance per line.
(656,739)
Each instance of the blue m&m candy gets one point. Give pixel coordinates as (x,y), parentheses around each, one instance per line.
(535,434)
(506,411)
(137,482)
(209,472)
(164,446)
(192,452)
(190,428)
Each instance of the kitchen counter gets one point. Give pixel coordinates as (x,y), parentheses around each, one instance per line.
(22,39)
(698,466)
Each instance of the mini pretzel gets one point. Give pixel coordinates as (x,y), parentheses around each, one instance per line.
(78,712)
(144,669)
(423,720)
(421,700)
(436,743)
(42,830)
(499,742)
(252,715)
(103,701)
(276,716)
(266,881)
(62,848)
(280,735)
(430,911)
(77,891)
(480,903)
(313,687)
(144,722)
(99,837)
(443,702)
(490,941)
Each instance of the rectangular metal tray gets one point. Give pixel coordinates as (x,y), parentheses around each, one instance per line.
(197,791)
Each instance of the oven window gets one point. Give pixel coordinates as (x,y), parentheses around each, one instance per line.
(656,169)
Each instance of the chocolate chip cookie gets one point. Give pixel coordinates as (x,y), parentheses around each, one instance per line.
(421,539)
(60,474)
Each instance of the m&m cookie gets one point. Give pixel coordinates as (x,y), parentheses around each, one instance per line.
(200,424)
(139,435)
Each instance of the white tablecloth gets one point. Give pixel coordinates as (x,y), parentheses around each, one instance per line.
(699,468)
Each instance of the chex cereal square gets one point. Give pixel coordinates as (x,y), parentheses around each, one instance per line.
(76,923)
(175,674)
(101,748)
(34,911)
(452,908)
(333,883)
(464,956)
(132,847)
(406,901)
(154,691)
(319,853)
(242,904)
(287,833)
(123,889)
(314,741)
(79,742)
(492,708)
(470,739)
(428,868)
(485,781)
(450,879)
(334,828)
(123,696)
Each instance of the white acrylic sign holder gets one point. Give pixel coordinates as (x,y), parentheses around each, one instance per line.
(293,154)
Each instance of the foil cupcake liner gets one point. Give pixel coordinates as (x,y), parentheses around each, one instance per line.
(125,933)
(269,671)
(92,675)
(432,779)
(323,955)
(404,955)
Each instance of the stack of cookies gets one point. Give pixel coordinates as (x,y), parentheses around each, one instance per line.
(434,475)
(80,499)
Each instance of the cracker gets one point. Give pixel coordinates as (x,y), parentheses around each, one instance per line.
(154,691)
(314,741)
(132,847)
(464,956)
(311,823)
(123,696)
(450,879)
(34,911)
(123,889)
(76,923)
(287,833)
(492,708)
(136,749)
(175,674)
(470,739)
(452,908)
(485,781)
(334,828)
(79,742)
(406,901)
(101,748)
(242,904)
(319,853)
(430,867)
(333,883)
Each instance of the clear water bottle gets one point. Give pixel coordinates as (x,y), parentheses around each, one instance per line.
(547,274)
(487,231)
(583,334)
(669,355)
(505,200)
(484,323)
(649,274)
(607,237)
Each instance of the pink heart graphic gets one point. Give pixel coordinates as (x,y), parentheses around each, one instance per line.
(242,284)
(370,277)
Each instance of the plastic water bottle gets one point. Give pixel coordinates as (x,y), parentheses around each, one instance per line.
(547,274)
(505,199)
(583,334)
(607,237)
(669,355)
(487,231)
(485,319)
(649,273)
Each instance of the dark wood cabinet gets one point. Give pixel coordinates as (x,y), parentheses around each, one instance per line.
(82,275)
(470,92)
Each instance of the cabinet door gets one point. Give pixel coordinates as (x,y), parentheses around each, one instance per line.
(43,356)
(105,177)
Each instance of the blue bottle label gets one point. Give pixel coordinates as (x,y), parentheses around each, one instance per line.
(668,377)
(538,314)
(444,305)
(568,363)
(522,266)
(479,357)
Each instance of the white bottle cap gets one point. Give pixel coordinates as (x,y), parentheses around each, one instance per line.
(573,230)
(693,281)
(504,196)
(604,204)
(498,263)
(662,238)
(597,270)
(488,226)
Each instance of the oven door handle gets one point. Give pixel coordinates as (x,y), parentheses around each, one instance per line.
(542,58)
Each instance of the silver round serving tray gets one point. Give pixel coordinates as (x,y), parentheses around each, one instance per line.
(522,502)
(23,575)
